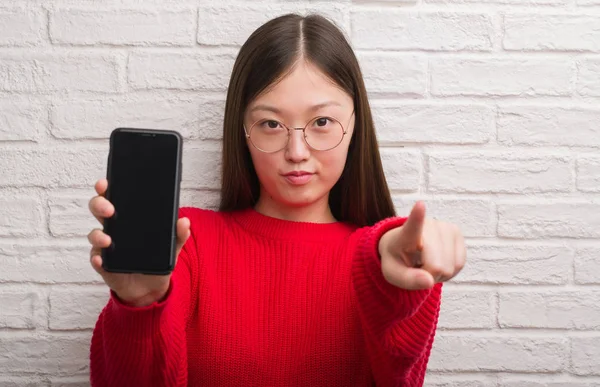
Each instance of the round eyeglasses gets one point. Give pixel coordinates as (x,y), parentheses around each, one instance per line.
(320,133)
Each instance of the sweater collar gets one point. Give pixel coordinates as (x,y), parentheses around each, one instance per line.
(274,228)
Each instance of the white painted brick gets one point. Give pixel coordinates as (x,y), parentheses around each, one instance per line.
(210,119)
(548,380)
(588,173)
(75,381)
(394,73)
(22,119)
(467,309)
(439,31)
(49,168)
(61,72)
(587,265)
(499,76)
(19,308)
(433,123)
(551,32)
(548,125)
(585,355)
(496,263)
(21,27)
(200,198)
(475,217)
(568,309)
(498,353)
(76,308)
(588,2)
(45,354)
(201,168)
(70,215)
(46,263)
(399,2)
(532,3)
(18,381)
(402,169)
(325,2)
(449,380)
(588,81)
(224,24)
(123,26)
(194,118)
(570,220)
(482,172)
(194,70)
(21,215)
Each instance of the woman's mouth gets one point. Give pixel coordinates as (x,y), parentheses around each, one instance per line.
(298,177)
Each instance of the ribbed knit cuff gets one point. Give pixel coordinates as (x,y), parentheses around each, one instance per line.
(413,336)
(136,321)
(382,301)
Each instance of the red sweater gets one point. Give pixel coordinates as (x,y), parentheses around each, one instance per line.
(259,301)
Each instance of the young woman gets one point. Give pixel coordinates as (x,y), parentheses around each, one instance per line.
(305,276)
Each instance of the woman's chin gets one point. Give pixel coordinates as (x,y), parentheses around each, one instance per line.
(294,200)
(298,203)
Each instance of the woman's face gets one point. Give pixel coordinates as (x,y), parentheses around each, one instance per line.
(298,175)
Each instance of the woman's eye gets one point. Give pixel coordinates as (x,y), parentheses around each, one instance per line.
(272,124)
(322,121)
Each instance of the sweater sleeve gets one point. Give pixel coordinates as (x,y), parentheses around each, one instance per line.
(146,346)
(399,324)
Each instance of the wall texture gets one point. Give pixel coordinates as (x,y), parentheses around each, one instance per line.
(487,109)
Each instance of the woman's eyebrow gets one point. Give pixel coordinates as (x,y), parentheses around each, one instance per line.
(266,108)
(325,104)
(313,108)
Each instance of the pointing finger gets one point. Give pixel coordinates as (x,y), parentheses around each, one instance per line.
(412,230)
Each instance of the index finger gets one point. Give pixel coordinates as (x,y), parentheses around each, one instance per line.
(101,186)
(412,230)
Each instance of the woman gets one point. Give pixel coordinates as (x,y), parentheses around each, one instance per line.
(305,276)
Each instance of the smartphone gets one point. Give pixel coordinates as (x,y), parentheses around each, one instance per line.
(144,177)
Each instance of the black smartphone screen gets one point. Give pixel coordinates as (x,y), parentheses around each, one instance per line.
(143,185)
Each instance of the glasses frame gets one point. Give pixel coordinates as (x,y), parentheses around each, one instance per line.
(303,129)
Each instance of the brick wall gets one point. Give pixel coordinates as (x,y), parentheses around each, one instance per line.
(487,109)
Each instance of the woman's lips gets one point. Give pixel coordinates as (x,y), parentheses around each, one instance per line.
(298,178)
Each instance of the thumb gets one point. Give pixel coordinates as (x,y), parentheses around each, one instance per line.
(410,278)
(412,229)
(183,233)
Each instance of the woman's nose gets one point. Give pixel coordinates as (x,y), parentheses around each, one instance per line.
(297,149)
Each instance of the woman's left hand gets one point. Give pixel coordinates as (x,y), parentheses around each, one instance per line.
(422,252)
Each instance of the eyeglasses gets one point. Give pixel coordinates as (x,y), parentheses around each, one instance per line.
(321,133)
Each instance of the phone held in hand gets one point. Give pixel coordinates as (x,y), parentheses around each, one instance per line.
(144,177)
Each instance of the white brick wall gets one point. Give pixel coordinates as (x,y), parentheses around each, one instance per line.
(487,109)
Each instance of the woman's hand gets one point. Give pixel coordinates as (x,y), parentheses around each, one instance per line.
(422,252)
(133,289)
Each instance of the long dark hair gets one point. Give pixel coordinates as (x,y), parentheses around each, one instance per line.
(361,195)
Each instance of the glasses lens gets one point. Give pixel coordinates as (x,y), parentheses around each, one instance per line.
(324,133)
(268,135)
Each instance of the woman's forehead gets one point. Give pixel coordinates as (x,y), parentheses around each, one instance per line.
(305,88)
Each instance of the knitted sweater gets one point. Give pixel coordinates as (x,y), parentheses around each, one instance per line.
(260,301)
